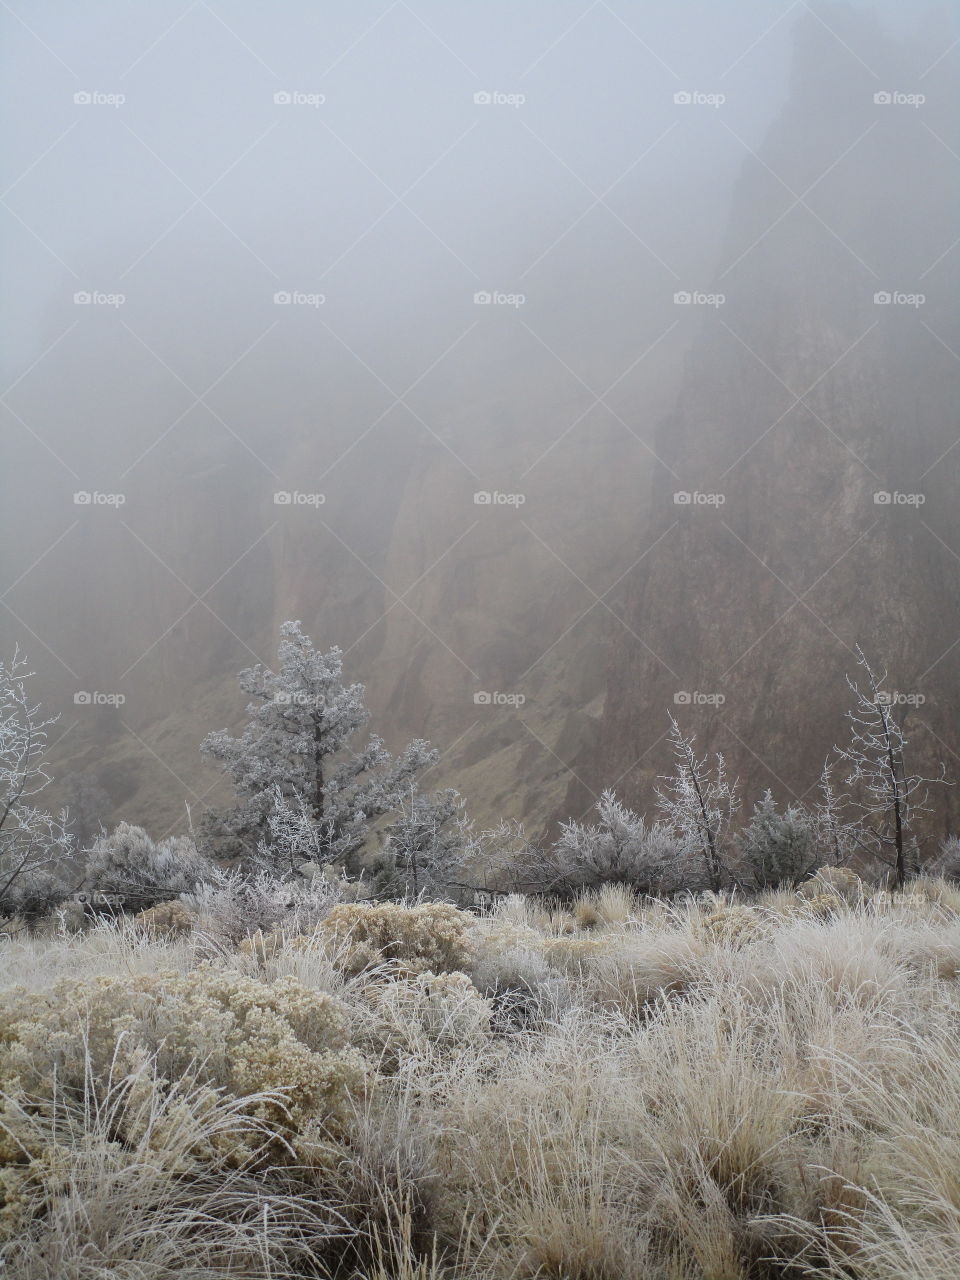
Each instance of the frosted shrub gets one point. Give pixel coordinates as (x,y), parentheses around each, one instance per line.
(129,864)
(732,926)
(279,1044)
(442,1012)
(235,906)
(507,956)
(172,1123)
(777,848)
(433,936)
(699,802)
(841,882)
(34,845)
(167,920)
(620,849)
(947,861)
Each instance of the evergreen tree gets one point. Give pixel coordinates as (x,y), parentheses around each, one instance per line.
(778,848)
(298,743)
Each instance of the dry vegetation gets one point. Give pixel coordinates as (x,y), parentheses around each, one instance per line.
(710,1090)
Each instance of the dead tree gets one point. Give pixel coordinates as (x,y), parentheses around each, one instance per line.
(888,796)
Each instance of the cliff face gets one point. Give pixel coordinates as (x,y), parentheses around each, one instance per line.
(433,597)
(803,398)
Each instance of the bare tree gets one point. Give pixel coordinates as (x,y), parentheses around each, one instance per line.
(32,842)
(836,834)
(887,794)
(699,802)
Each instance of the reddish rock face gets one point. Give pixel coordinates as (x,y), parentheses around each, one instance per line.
(819,402)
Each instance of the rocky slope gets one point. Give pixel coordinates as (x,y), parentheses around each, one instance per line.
(803,399)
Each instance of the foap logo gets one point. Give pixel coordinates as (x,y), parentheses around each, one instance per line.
(894,498)
(684,298)
(294,698)
(294,498)
(498,699)
(896,698)
(885,298)
(97,898)
(84,698)
(494,498)
(694,98)
(95,298)
(685,498)
(696,698)
(94,498)
(497,98)
(294,298)
(296,98)
(95,98)
(494,298)
(894,98)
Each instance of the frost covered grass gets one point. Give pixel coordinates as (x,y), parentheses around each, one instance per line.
(714,1090)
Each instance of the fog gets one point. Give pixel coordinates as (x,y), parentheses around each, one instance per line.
(382,258)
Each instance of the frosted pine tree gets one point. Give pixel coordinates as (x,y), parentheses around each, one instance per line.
(298,743)
(426,842)
(778,848)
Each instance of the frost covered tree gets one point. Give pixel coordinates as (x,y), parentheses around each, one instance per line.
(888,796)
(698,801)
(299,741)
(33,843)
(619,849)
(426,842)
(777,847)
(837,836)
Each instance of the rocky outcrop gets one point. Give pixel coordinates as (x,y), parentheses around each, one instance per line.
(817,410)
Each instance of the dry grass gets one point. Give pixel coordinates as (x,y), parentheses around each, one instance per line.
(623,1090)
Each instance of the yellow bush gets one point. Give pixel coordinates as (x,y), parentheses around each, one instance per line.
(732,926)
(167,920)
(825,904)
(279,1046)
(840,881)
(432,936)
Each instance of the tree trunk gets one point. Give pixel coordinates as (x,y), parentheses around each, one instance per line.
(318,786)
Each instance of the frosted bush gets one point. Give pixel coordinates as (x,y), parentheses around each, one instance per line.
(442,1012)
(172,1123)
(839,881)
(236,906)
(777,848)
(218,1028)
(732,926)
(433,936)
(621,849)
(947,861)
(167,920)
(142,872)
